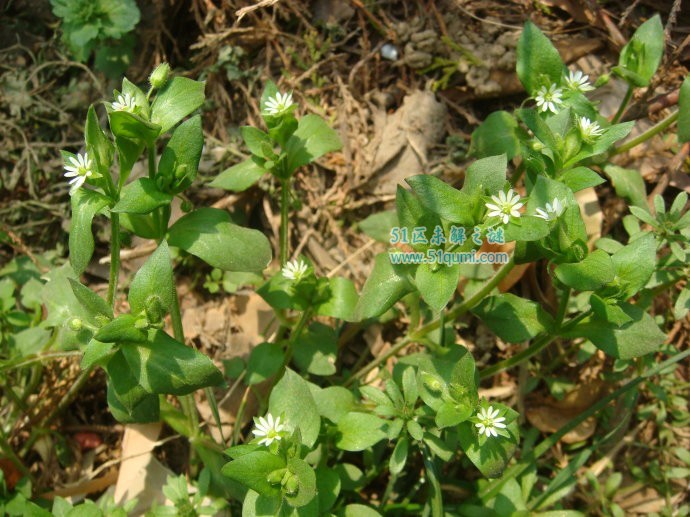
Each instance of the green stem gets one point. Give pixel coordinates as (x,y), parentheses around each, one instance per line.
(470,302)
(452,314)
(114,257)
(563,306)
(528,460)
(152,161)
(537,346)
(652,131)
(624,104)
(435,495)
(12,456)
(284,208)
(186,401)
(296,333)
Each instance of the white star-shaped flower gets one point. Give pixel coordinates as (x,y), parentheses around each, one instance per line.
(577,81)
(268,429)
(278,104)
(124,102)
(295,270)
(505,206)
(549,99)
(78,169)
(589,129)
(489,421)
(552,211)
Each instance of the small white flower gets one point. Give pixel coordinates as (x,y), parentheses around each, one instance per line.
(577,81)
(268,428)
(589,129)
(505,206)
(124,102)
(78,169)
(295,270)
(552,211)
(278,104)
(549,99)
(489,421)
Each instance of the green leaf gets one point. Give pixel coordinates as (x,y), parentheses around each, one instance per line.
(256,141)
(342,300)
(312,139)
(306,488)
(315,351)
(252,470)
(610,136)
(141,225)
(684,111)
(359,510)
(98,145)
(29,341)
(239,177)
(498,134)
(359,431)
(682,305)
(437,286)
(640,57)
(128,400)
(121,329)
(419,220)
(141,196)
(97,354)
(292,397)
(179,162)
(383,288)
(608,311)
(581,178)
(129,126)
(486,176)
(450,414)
(539,127)
(333,402)
(595,271)
(153,281)
(397,461)
(178,98)
(90,301)
(138,95)
(512,318)
(634,265)
(327,487)
(255,505)
(538,61)
(526,228)
(85,205)
(437,196)
(265,361)
(451,374)
(208,234)
(490,455)
(166,366)
(378,226)
(639,337)
(128,153)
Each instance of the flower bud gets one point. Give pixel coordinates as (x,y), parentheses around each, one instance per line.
(275,477)
(141,323)
(602,80)
(154,309)
(160,75)
(292,485)
(75,324)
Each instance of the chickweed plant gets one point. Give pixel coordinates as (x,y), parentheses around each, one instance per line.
(333,439)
